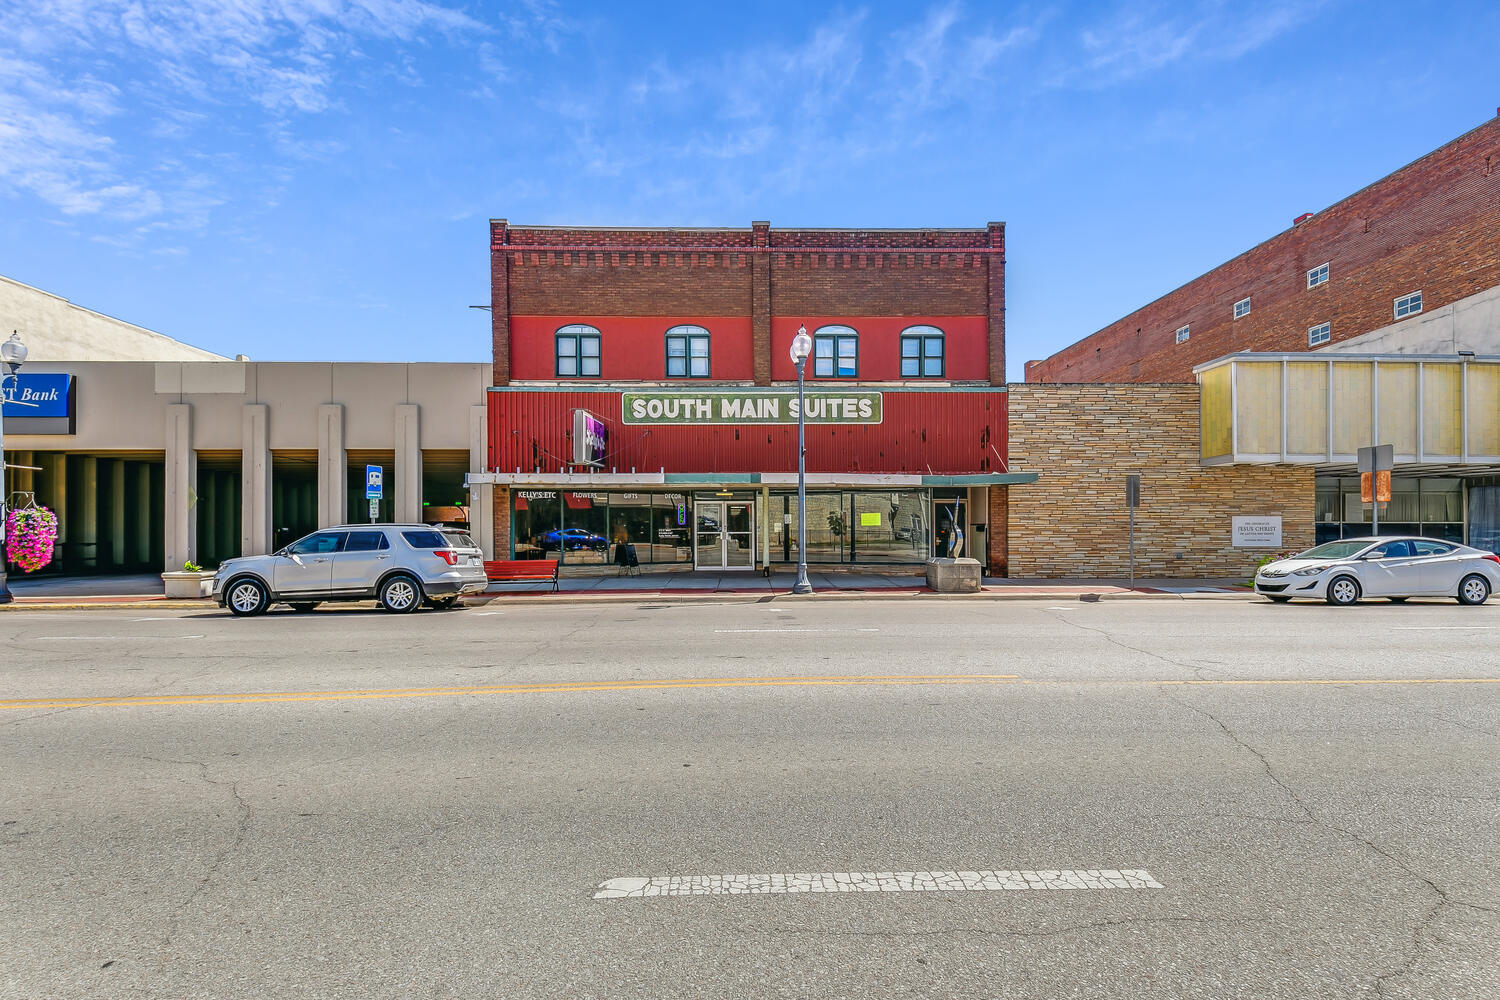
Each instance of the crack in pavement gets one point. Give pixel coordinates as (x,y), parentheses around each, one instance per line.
(1014,932)
(1443,901)
(243,807)
(1196,668)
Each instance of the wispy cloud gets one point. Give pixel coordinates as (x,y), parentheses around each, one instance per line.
(181,69)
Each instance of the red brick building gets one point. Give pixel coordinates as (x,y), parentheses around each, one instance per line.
(1418,240)
(666,353)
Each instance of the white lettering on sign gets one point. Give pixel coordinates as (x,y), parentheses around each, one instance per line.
(1256,532)
(32,396)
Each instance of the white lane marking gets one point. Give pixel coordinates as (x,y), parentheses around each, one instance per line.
(728,631)
(765,885)
(1062,609)
(112,638)
(1445,628)
(486,614)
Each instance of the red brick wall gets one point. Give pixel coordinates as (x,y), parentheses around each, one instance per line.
(1433,225)
(757,273)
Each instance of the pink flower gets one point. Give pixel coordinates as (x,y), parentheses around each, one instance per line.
(29,536)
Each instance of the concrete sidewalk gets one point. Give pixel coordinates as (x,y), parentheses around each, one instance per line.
(67,593)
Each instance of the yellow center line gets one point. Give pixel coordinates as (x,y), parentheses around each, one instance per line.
(701,683)
(552,688)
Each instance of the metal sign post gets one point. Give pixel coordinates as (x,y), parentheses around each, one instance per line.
(1132,501)
(374,487)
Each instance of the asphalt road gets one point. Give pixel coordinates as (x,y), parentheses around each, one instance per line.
(348,804)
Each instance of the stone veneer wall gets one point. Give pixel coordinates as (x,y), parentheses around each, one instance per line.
(1083,439)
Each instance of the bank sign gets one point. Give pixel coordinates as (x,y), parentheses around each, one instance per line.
(40,403)
(685,408)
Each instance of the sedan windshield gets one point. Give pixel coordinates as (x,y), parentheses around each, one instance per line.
(1336,550)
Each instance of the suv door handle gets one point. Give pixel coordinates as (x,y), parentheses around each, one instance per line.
(383,557)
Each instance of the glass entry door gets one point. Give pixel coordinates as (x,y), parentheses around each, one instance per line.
(725,534)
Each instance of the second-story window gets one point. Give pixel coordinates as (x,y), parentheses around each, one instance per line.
(577,351)
(1319,334)
(1242,307)
(835,352)
(921,352)
(1406,305)
(1183,333)
(1317,276)
(687,352)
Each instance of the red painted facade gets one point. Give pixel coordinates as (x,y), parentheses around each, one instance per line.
(631,348)
(950,432)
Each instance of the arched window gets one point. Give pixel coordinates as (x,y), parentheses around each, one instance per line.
(921,352)
(835,352)
(577,351)
(687,352)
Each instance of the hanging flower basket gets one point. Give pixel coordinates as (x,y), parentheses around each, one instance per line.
(29,535)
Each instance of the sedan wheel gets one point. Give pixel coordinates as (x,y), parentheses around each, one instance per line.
(1343,591)
(400,594)
(246,598)
(1473,590)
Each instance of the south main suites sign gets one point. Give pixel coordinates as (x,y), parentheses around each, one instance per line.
(684,408)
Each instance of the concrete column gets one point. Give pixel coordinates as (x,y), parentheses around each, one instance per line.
(88,527)
(56,470)
(142,514)
(407,495)
(181,530)
(117,554)
(255,479)
(481,495)
(333,466)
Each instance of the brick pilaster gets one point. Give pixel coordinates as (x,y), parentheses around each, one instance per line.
(996,305)
(999,531)
(502,522)
(500,301)
(760,303)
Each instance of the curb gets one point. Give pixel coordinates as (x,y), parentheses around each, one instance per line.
(705,597)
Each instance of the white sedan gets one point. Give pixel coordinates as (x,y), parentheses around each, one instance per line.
(1394,568)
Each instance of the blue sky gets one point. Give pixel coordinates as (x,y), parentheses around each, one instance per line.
(311,179)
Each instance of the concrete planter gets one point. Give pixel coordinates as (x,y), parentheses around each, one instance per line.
(183,584)
(953,576)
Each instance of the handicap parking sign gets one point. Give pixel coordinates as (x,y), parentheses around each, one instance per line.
(374,481)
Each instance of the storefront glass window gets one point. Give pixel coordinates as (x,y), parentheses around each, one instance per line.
(583,539)
(888,526)
(1430,507)
(671,533)
(629,525)
(535,514)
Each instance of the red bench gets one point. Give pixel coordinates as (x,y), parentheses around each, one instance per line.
(521,570)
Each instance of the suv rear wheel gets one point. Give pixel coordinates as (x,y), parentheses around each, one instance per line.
(400,594)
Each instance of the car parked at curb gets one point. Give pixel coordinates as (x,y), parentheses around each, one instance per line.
(402,566)
(1393,567)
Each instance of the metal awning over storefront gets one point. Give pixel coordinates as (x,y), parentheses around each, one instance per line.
(710,480)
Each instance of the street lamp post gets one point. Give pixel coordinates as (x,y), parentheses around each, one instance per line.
(13,355)
(801,347)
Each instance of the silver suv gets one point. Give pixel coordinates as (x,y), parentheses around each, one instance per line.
(399,565)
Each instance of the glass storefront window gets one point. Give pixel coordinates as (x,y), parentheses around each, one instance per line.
(888,526)
(1442,499)
(629,524)
(534,514)
(585,522)
(672,533)
(1431,507)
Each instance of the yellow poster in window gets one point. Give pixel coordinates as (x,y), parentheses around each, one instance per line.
(869,520)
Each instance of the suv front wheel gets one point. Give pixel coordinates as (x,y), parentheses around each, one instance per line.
(400,594)
(246,597)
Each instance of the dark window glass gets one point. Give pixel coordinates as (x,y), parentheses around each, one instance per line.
(366,541)
(536,513)
(425,539)
(1432,548)
(460,540)
(1393,550)
(578,351)
(582,538)
(320,544)
(921,352)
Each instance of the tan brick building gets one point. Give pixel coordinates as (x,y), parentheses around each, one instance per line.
(1085,439)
